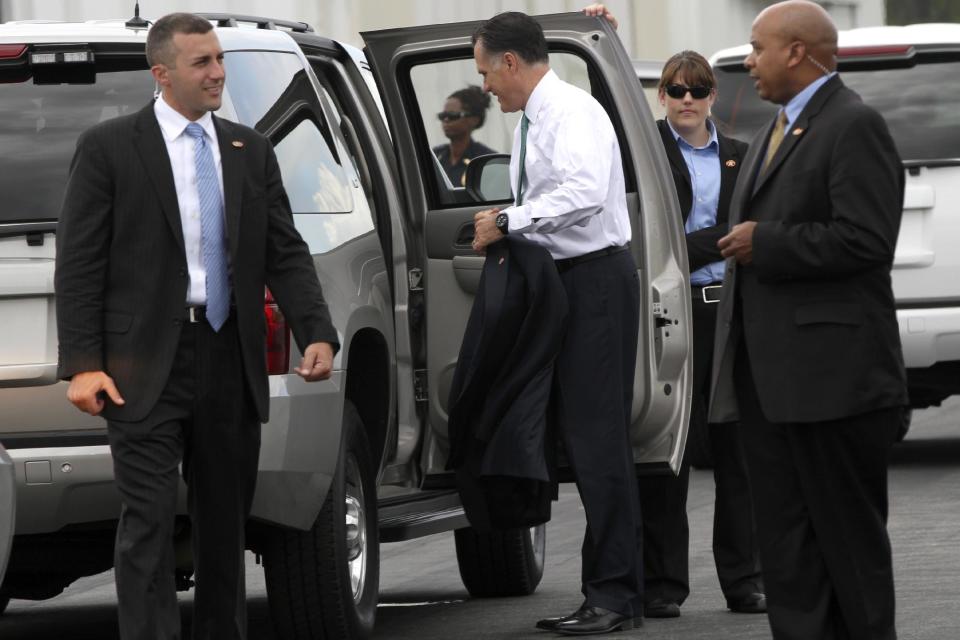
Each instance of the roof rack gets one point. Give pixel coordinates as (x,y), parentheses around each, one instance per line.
(234,20)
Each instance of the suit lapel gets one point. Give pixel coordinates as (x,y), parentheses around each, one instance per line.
(676,159)
(149,143)
(748,173)
(798,129)
(729,161)
(232,149)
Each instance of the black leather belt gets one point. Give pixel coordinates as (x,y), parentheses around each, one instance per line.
(195,315)
(566,263)
(709,293)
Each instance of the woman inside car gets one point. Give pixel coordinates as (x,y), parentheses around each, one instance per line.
(464,111)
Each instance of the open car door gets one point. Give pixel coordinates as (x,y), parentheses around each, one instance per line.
(417,69)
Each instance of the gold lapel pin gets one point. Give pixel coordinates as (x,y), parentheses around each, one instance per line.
(731,163)
(797,131)
(238,144)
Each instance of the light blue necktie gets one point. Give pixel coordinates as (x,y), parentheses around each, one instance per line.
(212,238)
(524,124)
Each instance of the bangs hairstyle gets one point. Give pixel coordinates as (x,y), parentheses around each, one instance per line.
(692,66)
(160,49)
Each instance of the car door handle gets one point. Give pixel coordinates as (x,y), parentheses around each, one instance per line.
(464,235)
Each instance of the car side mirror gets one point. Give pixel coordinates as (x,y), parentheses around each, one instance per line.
(488,178)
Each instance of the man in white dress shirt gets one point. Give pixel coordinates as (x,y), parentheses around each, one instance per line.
(570,198)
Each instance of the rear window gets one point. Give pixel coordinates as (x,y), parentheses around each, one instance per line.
(921,103)
(39,126)
(41,119)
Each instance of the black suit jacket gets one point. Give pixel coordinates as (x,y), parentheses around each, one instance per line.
(702,244)
(499,437)
(816,306)
(121,274)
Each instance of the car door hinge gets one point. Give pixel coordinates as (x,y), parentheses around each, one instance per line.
(415,279)
(420,391)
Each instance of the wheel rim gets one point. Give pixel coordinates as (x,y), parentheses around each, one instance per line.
(538,542)
(356,528)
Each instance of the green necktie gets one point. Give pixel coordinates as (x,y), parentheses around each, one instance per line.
(524,123)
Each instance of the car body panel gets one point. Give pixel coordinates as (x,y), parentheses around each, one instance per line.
(8,509)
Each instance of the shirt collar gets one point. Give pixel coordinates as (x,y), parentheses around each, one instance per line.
(540,94)
(713,142)
(799,101)
(173,123)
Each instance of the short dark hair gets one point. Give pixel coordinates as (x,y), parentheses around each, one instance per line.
(694,68)
(160,48)
(513,31)
(474,101)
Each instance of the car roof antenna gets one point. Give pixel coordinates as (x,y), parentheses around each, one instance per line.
(136,22)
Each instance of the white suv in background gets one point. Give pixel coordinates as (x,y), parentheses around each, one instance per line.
(911,75)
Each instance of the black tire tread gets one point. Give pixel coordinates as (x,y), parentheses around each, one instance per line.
(496,563)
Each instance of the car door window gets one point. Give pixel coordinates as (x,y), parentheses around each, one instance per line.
(445,106)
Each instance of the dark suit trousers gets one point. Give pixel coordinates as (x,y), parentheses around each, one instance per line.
(820,494)
(663,499)
(592,401)
(206,419)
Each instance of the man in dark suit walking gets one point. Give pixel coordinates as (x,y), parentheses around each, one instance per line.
(173,223)
(808,348)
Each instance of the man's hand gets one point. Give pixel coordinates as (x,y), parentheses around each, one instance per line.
(601,11)
(87,391)
(739,242)
(317,362)
(485,230)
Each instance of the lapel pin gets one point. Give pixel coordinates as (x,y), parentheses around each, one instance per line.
(501,260)
(797,131)
(237,144)
(731,163)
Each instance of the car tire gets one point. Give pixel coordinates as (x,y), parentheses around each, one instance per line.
(322,584)
(501,563)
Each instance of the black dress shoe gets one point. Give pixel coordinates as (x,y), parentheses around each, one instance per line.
(590,621)
(750,603)
(549,624)
(661,608)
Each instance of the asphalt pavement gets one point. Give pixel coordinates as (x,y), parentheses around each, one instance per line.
(422,597)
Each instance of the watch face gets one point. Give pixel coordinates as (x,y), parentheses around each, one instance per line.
(501,221)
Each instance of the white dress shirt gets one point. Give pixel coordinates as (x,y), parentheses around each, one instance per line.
(574,195)
(182,160)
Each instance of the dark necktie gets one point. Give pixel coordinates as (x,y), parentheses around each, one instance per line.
(524,124)
(212,237)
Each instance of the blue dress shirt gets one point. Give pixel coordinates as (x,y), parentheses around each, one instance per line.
(703,166)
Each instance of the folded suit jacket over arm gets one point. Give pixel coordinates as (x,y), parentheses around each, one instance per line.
(499,430)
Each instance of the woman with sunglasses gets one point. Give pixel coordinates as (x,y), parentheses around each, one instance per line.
(463,111)
(705,164)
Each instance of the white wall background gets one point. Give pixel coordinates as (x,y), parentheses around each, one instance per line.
(651,29)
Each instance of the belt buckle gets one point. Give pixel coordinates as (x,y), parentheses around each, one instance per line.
(703,292)
(192,315)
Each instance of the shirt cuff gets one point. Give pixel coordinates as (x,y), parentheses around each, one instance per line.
(518,218)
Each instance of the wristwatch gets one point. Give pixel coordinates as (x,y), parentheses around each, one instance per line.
(503,223)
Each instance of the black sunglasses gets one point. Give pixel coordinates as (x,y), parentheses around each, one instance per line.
(453,115)
(678,91)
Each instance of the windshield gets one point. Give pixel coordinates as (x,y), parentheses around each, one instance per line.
(39,126)
(920,104)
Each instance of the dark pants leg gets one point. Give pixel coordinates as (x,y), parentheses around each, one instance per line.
(820,492)
(663,499)
(594,391)
(206,419)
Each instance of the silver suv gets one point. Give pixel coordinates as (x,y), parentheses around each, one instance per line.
(911,75)
(359,459)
